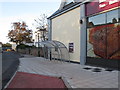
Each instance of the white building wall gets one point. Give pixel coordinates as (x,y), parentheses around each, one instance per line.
(66,29)
(14,46)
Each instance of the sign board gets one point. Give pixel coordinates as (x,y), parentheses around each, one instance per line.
(105,3)
(71,47)
(97,6)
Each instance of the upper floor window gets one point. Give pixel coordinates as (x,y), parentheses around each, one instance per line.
(96,20)
(105,18)
(112,16)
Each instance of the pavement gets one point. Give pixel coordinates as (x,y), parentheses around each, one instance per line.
(73,75)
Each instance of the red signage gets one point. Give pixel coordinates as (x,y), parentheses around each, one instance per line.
(101,5)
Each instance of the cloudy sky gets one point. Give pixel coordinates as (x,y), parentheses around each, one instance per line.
(23,10)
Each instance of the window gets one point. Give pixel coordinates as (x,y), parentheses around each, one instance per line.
(105,18)
(96,20)
(103,35)
(118,15)
(112,16)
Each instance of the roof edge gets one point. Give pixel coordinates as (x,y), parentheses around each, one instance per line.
(59,12)
(62,11)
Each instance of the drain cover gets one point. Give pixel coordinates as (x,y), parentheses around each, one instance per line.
(108,69)
(96,70)
(87,68)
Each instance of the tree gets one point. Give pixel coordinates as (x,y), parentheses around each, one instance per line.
(20,34)
(41,26)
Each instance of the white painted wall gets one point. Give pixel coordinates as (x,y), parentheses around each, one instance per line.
(66,29)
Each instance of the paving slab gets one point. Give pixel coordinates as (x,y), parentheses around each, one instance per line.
(75,74)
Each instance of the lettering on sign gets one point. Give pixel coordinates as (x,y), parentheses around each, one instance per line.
(104,3)
(113,1)
(100,1)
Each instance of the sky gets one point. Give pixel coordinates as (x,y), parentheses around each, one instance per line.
(23,10)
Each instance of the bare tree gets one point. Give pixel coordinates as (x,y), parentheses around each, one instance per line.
(41,26)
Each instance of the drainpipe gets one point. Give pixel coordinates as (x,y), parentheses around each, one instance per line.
(83,37)
(50,35)
(49,29)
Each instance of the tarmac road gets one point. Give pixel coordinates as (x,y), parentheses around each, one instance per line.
(10,62)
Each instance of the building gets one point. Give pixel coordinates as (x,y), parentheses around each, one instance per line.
(103,33)
(41,35)
(0,46)
(65,28)
(90,30)
(14,45)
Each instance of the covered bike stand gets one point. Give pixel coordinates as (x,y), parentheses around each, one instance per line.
(55,50)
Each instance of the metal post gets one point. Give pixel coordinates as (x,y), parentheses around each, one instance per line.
(83,36)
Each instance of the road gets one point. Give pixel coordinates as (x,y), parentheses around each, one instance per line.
(10,62)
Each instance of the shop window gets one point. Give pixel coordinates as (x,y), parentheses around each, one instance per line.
(118,15)
(96,20)
(103,35)
(112,16)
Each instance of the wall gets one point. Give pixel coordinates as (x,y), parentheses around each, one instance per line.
(66,29)
(31,51)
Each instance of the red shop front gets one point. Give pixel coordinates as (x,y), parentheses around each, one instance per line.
(103,33)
